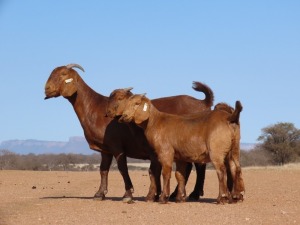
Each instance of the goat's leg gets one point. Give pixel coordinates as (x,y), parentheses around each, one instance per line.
(238,189)
(198,189)
(106,160)
(230,171)
(122,166)
(155,185)
(188,170)
(224,195)
(180,177)
(166,174)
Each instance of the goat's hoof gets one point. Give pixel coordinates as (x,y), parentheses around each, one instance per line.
(194,197)
(99,198)
(128,200)
(223,200)
(239,197)
(163,200)
(180,200)
(150,199)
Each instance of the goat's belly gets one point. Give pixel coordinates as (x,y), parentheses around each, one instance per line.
(198,157)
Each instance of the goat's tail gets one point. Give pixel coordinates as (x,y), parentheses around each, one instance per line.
(235,116)
(209,95)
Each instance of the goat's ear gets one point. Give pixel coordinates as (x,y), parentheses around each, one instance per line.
(69,87)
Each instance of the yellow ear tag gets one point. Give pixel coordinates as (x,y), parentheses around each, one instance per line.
(145,107)
(68,80)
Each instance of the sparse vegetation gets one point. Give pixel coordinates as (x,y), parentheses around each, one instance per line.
(282,142)
(280,145)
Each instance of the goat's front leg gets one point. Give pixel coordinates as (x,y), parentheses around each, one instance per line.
(166,174)
(122,166)
(180,177)
(155,185)
(106,160)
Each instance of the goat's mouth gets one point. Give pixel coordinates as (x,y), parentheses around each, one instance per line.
(125,119)
(110,114)
(52,94)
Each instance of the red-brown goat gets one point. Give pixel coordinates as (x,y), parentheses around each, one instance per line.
(118,100)
(209,136)
(104,134)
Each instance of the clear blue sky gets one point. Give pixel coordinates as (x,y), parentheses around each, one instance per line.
(244,50)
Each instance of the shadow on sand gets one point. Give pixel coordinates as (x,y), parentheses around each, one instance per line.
(120,199)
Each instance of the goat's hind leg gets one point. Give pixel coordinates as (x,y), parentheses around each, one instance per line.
(106,160)
(238,190)
(224,195)
(198,189)
(188,170)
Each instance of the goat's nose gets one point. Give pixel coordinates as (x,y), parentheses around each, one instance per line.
(121,119)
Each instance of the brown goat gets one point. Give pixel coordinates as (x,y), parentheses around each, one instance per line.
(102,133)
(118,100)
(204,137)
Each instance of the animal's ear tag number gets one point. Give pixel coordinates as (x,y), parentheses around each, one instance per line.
(68,80)
(145,107)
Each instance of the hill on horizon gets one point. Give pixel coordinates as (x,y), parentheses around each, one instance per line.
(76,145)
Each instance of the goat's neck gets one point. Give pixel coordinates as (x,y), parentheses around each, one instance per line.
(154,117)
(87,103)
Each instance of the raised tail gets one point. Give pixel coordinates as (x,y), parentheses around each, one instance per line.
(235,116)
(209,95)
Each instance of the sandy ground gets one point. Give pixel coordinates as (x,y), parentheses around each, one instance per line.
(272,197)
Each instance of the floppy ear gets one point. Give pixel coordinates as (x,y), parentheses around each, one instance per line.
(142,113)
(69,87)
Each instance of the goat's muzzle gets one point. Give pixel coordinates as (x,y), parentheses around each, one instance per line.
(124,119)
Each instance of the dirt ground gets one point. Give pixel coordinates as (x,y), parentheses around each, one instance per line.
(26,197)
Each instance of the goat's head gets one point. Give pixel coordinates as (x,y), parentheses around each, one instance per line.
(117,102)
(62,81)
(137,109)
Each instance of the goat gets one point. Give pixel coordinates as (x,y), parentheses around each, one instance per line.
(117,102)
(209,136)
(102,133)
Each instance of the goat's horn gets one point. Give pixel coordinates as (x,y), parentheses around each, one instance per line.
(128,89)
(69,66)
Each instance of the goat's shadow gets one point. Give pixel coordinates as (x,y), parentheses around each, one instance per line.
(120,199)
(115,199)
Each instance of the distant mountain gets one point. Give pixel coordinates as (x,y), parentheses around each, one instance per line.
(76,145)
(247,146)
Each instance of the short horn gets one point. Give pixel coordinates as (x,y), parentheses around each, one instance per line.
(128,89)
(69,66)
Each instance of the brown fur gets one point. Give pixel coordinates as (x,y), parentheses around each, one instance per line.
(208,137)
(179,105)
(102,133)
